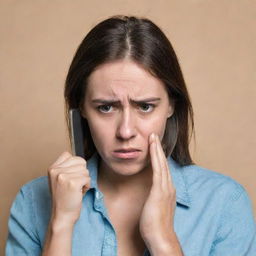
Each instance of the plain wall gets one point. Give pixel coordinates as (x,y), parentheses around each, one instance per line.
(215,43)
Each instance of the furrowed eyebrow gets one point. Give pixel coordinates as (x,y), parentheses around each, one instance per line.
(104,101)
(145,100)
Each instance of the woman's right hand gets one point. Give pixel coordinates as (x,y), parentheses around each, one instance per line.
(69,180)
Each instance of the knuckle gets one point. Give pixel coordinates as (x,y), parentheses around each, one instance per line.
(66,153)
(83,160)
(71,183)
(51,171)
(79,169)
(61,178)
(80,159)
(83,174)
(84,171)
(86,179)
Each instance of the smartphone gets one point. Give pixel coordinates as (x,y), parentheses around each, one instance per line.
(77,136)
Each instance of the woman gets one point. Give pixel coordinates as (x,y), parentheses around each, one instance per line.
(137,192)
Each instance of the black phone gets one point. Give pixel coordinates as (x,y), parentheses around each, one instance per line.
(77,136)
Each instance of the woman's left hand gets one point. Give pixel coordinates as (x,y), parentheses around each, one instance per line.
(157,217)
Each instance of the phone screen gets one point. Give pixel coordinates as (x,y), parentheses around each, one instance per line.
(77,137)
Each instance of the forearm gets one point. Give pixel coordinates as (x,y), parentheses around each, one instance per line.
(58,240)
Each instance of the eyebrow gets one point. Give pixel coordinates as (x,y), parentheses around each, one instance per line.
(114,101)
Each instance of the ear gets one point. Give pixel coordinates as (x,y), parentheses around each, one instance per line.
(82,113)
(170,111)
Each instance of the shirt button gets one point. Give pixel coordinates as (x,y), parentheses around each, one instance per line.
(98,195)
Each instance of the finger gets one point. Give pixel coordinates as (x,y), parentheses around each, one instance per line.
(163,165)
(74,160)
(155,162)
(71,169)
(74,181)
(63,157)
(166,170)
(82,183)
(160,153)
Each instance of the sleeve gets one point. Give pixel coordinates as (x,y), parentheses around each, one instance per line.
(22,237)
(236,235)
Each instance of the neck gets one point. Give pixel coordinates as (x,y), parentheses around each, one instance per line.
(124,185)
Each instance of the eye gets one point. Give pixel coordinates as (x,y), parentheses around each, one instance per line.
(146,107)
(104,108)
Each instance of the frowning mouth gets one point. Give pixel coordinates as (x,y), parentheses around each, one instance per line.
(127,153)
(127,150)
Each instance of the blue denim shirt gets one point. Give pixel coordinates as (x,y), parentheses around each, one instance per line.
(213,216)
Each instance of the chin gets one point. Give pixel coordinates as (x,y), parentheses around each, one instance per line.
(125,166)
(130,167)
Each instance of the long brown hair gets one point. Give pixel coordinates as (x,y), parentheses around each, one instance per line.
(140,40)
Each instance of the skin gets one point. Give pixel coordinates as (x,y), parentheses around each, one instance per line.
(124,125)
(129,125)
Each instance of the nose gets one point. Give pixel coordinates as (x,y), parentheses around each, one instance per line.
(126,126)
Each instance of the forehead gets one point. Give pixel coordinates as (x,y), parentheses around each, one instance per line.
(123,78)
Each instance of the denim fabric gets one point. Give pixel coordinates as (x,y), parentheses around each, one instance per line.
(213,216)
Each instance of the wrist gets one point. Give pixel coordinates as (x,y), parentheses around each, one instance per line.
(166,246)
(59,224)
(59,238)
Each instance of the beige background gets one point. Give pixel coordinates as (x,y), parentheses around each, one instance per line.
(214,40)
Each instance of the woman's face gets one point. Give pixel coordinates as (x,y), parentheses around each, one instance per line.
(123,105)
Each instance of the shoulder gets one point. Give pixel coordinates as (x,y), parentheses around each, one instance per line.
(222,202)
(36,188)
(195,173)
(203,182)
(29,216)
(34,198)
(36,184)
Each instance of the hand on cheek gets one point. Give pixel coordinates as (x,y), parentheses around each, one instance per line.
(156,221)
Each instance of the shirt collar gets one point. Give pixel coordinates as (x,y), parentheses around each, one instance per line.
(178,179)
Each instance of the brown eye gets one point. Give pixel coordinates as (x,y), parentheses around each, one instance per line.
(146,107)
(104,108)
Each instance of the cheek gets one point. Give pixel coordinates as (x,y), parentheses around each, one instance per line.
(156,124)
(101,136)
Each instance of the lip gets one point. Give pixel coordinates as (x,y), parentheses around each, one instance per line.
(126,150)
(128,153)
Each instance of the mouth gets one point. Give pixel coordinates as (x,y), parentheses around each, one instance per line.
(129,153)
